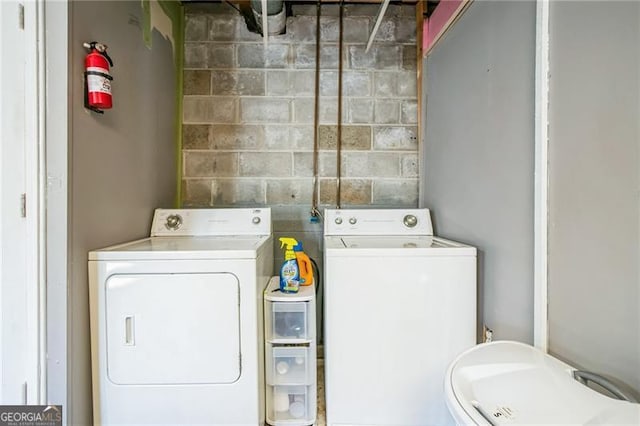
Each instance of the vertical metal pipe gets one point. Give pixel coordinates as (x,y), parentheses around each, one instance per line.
(265,20)
(339,141)
(316,117)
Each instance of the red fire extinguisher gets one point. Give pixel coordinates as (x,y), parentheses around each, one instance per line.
(97,78)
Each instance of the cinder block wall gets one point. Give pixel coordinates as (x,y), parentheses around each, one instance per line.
(249,113)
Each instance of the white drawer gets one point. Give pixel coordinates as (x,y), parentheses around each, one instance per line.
(288,322)
(290,365)
(290,404)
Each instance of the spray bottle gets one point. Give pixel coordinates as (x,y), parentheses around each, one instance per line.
(304,265)
(289,271)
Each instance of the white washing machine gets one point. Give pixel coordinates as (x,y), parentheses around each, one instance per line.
(176,320)
(400,305)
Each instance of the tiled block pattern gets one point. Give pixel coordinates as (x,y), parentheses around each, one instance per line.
(265,164)
(210,164)
(197,82)
(352,191)
(289,191)
(248,112)
(265,110)
(395,192)
(242,83)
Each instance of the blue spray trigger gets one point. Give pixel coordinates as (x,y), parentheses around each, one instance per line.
(314,219)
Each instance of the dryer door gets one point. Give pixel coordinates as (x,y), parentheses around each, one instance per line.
(173,328)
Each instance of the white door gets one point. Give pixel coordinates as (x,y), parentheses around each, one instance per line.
(173,328)
(20,319)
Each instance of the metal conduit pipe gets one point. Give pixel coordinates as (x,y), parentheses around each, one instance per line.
(339,136)
(316,119)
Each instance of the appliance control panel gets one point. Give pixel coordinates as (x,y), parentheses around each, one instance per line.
(211,222)
(377,222)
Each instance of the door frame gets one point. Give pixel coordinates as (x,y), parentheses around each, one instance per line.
(57,121)
(44,52)
(23,190)
(541,179)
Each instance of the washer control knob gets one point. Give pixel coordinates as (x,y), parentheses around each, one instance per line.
(174,221)
(353,220)
(338,221)
(410,221)
(255,220)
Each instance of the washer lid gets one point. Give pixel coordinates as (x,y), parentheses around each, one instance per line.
(228,247)
(395,245)
(513,383)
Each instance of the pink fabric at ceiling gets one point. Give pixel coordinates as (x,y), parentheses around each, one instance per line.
(437,23)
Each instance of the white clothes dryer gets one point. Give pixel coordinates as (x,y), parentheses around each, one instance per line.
(176,320)
(399,305)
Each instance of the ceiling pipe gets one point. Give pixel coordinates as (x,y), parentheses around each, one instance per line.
(265,22)
(274,20)
(381,12)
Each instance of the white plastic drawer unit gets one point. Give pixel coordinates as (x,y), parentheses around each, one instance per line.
(290,365)
(288,404)
(289,322)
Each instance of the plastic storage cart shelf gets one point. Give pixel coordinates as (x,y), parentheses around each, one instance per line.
(290,355)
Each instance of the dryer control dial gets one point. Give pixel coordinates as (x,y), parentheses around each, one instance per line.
(353,220)
(410,221)
(338,221)
(255,220)
(173,222)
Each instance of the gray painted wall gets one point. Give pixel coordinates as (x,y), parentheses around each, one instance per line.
(479,154)
(122,163)
(594,287)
